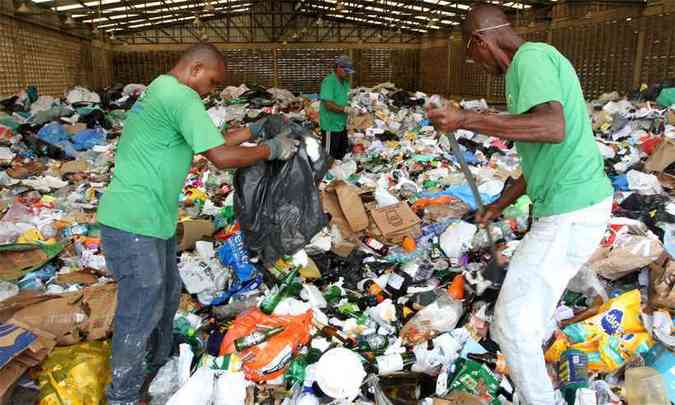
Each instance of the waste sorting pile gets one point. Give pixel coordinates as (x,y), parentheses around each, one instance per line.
(312,281)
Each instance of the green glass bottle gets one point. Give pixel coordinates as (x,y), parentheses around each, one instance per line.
(272,300)
(255,338)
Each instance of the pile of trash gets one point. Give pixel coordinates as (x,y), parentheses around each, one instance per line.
(312,281)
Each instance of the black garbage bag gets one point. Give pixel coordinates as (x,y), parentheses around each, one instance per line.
(277,202)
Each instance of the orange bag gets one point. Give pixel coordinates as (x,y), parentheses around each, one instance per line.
(268,360)
(425,202)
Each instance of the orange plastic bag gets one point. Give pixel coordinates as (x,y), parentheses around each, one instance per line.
(425,202)
(269,359)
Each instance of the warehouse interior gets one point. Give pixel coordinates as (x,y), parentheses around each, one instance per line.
(304,202)
(614,45)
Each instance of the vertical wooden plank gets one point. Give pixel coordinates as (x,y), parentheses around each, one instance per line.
(275,61)
(637,62)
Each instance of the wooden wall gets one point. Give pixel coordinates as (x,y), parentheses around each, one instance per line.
(295,69)
(49,59)
(610,50)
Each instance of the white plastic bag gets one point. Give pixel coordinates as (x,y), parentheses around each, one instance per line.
(165,383)
(197,391)
(457,239)
(230,388)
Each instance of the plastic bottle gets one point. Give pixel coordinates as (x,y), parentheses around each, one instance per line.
(393,363)
(494,361)
(185,329)
(645,386)
(374,343)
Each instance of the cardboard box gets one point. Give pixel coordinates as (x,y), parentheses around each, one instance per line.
(34,354)
(663,156)
(193,230)
(394,218)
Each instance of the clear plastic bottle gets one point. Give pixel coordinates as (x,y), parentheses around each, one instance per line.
(645,386)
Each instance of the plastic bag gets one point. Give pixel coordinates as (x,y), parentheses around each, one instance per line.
(230,389)
(277,202)
(609,338)
(438,317)
(165,383)
(88,138)
(233,254)
(197,391)
(269,359)
(76,375)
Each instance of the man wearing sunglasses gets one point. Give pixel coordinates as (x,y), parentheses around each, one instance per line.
(563,174)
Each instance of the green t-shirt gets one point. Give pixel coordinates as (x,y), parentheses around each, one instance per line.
(562,177)
(163,130)
(337,91)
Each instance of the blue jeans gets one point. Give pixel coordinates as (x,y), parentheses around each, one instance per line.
(148,292)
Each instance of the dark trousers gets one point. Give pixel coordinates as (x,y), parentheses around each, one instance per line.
(148,292)
(335,143)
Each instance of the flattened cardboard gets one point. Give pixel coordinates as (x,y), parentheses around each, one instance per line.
(74,166)
(77,277)
(662,281)
(13,262)
(394,218)
(59,316)
(351,206)
(193,230)
(99,303)
(662,157)
(31,357)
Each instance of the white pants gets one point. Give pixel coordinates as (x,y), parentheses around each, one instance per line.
(546,260)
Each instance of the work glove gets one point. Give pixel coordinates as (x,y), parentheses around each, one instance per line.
(282,147)
(349,110)
(256,128)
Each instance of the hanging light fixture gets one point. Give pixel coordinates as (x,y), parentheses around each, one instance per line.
(197,22)
(319,21)
(69,21)
(209,8)
(24,8)
(112,36)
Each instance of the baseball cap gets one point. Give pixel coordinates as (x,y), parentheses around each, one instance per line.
(345,62)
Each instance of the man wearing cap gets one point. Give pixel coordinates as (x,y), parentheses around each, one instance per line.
(335,108)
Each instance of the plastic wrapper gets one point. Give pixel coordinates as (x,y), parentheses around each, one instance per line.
(609,338)
(165,383)
(277,202)
(75,375)
(269,359)
(438,317)
(233,254)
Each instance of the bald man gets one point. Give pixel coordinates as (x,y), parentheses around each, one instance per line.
(563,174)
(166,127)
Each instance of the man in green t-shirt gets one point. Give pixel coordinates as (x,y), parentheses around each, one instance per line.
(563,174)
(335,110)
(138,212)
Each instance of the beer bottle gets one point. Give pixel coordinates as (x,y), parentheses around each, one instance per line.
(255,338)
